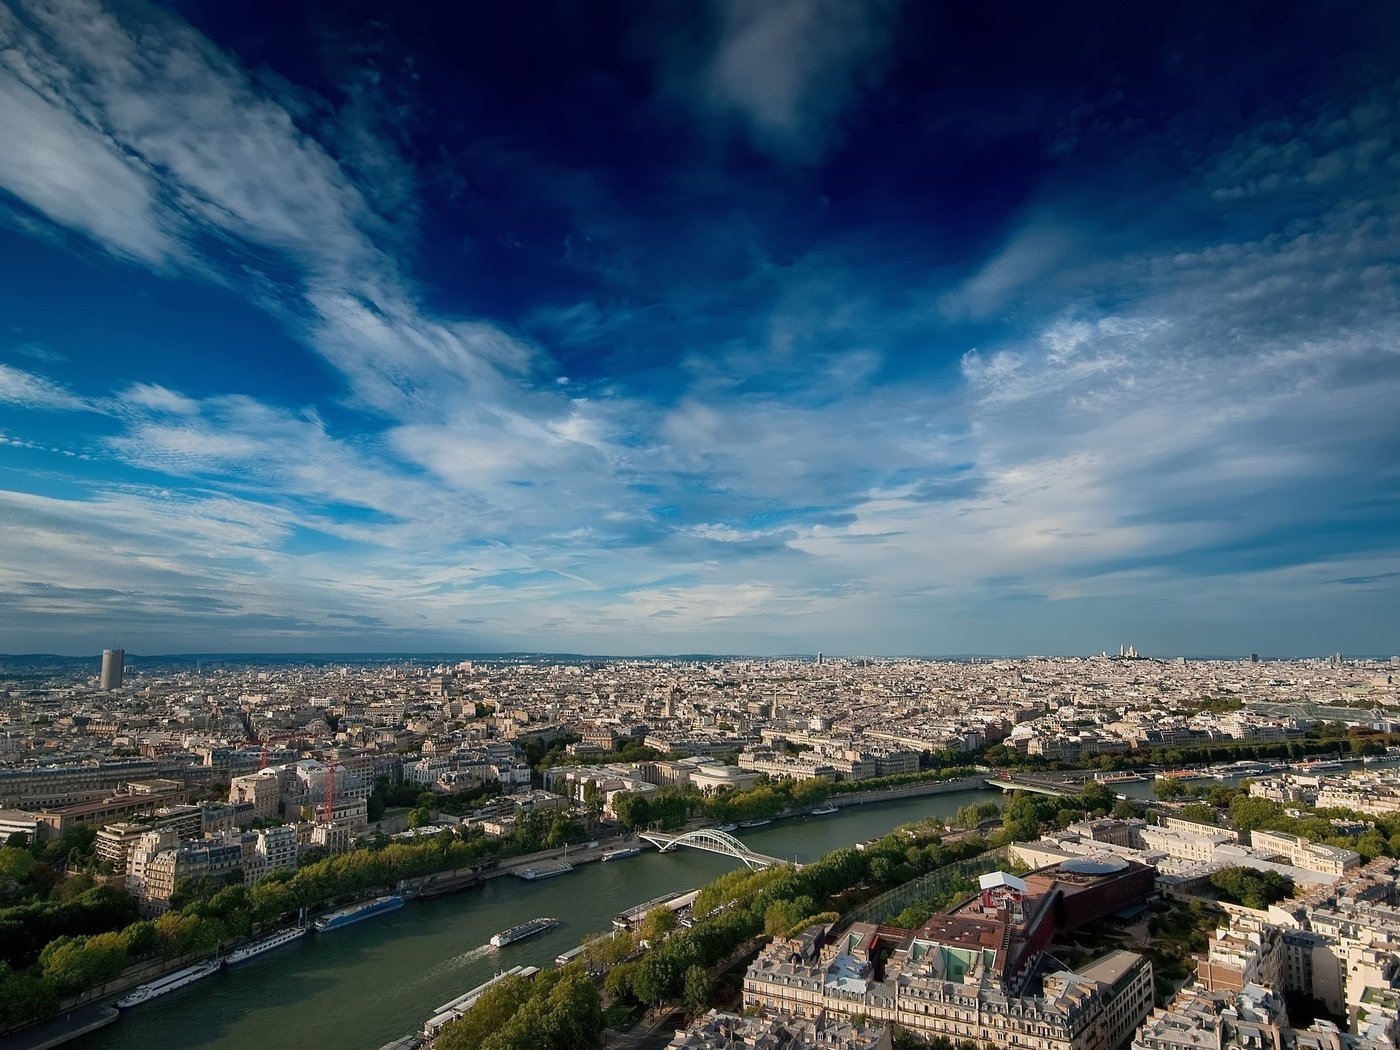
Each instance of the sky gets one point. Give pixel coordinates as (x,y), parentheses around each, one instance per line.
(732,326)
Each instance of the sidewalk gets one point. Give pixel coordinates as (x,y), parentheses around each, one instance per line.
(58,1030)
(647,1034)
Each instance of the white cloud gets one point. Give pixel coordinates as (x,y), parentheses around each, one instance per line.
(788,69)
(30,390)
(66,168)
(147,137)
(159,399)
(799,485)
(1030,256)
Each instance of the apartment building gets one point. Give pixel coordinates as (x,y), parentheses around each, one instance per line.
(975,973)
(1301,853)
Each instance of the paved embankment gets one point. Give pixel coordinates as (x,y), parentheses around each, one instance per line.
(915,790)
(58,1030)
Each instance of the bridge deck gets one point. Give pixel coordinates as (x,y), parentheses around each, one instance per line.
(712,841)
(1033,787)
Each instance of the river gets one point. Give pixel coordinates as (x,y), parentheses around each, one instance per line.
(360,987)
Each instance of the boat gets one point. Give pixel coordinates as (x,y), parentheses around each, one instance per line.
(728,827)
(564,958)
(1371,760)
(619,854)
(627,919)
(1319,765)
(441,887)
(170,982)
(1182,774)
(1120,777)
(357,913)
(543,871)
(276,940)
(451,1011)
(753,823)
(824,811)
(525,929)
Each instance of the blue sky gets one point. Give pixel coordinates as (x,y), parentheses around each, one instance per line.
(724,326)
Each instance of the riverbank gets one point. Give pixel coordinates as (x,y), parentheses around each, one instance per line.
(372,983)
(902,791)
(60,1029)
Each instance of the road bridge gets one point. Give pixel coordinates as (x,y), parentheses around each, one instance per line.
(1034,786)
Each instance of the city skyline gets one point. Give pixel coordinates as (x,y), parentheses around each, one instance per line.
(746,329)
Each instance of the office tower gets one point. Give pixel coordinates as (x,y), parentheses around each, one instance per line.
(113,663)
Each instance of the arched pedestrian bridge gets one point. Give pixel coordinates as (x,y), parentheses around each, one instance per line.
(712,840)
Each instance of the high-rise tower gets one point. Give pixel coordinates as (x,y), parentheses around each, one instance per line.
(113,664)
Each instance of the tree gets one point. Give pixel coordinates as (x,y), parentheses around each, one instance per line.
(660,921)
(657,979)
(633,809)
(1253,889)
(140,938)
(1023,816)
(16,865)
(592,800)
(75,964)
(1201,813)
(24,996)
(618,983)
(576,1012)
(420,817)
(782,915)
(697,989)
(1169,789)
(489,1014)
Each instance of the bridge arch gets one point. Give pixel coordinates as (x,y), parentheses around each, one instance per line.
(714,841)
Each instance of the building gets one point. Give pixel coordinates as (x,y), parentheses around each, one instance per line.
(1332,860)
(720,1031)
(275,848)
(115,843)
(263,790)
(113,666)
(18,822)
(979,972)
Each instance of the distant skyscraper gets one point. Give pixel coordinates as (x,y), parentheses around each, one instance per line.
(113,664)
(819,659)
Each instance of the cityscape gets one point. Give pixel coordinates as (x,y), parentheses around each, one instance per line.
(1067,853)
(706,525)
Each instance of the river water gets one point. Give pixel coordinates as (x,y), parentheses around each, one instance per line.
(365,985)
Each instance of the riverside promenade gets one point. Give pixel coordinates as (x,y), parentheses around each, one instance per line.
(60,1029)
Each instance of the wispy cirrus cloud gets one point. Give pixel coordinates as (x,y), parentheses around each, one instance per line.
(31,390)
(170,154)
(797,437)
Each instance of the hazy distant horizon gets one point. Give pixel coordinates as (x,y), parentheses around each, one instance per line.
(133,659)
